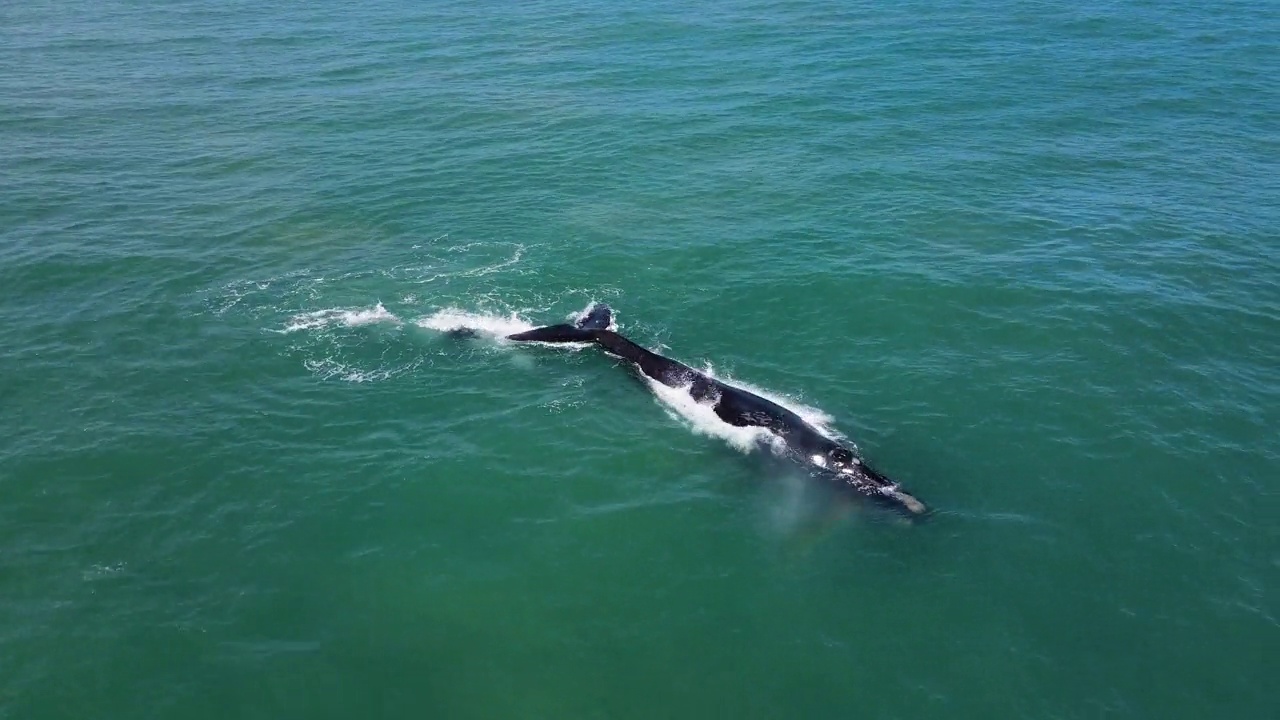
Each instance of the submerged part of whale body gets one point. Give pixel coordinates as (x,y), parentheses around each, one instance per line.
(734,406)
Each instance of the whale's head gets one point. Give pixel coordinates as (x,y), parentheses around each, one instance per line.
(854,473)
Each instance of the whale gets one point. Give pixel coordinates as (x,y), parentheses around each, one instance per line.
(825,456)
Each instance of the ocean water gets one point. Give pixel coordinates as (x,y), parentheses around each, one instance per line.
(1025,255)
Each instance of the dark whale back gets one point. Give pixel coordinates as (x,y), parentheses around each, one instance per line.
(733,405)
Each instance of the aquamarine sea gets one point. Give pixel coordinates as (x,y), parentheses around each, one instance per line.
(1025,254)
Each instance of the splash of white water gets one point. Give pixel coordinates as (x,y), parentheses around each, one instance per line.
(349,317)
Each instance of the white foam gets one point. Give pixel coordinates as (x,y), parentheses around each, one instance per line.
(701,418)
(349,317)
(330,368)
(497,326)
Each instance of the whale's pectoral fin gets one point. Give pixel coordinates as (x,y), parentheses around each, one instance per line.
(554,333)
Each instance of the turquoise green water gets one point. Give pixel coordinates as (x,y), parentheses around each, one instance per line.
(1025,255)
